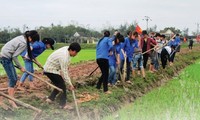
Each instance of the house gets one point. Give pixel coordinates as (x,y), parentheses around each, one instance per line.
(81,38)
(168,33)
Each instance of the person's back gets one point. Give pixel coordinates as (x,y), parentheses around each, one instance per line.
(38,48)
(11,48)
(191,42)
(103,47)
(52,63)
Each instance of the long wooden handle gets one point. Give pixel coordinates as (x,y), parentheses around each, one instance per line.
(124,72)
(93,71)
(20,102)
(148,50)
(75,101)
(76,104)
(158,48)
(37,64)
(53,86)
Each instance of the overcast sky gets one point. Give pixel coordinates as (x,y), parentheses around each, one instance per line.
(97,14)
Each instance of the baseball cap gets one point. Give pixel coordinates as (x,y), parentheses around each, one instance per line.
(49,41)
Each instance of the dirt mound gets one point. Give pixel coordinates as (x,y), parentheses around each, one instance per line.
(79,73)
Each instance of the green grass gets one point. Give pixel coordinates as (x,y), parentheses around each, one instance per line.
(179,99)
(83,55)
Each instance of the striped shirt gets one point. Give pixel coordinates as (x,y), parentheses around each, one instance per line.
(58,62)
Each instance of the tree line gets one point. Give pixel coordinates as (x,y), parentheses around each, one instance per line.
(64,33)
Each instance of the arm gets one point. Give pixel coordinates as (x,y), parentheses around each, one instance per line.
(110,45)
(139,41)
(153,42)
(17,52)
(64,71)
(16,61)
(37,63)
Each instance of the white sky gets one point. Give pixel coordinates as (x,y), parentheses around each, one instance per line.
(97,14)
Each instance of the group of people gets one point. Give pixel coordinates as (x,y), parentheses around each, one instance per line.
(126,55)
(116,54)
(29,47)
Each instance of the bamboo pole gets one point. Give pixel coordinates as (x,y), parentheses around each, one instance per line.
(37,64)
(148,50)
(76,104)
(20,102)
(124,68)
(53,86)
(155,46)
(75,101)
(74,96)
(124,71)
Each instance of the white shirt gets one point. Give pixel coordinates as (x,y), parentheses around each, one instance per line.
(168,48)
(58,62)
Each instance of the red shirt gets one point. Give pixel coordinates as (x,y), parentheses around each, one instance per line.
(149,42)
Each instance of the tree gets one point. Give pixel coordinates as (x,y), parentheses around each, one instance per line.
(8,34)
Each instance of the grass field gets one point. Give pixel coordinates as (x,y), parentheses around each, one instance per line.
(83,55)
(179,99)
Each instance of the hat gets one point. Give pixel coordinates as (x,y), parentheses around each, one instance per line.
(49,41)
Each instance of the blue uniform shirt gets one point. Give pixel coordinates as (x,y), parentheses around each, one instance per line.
(112,59)
(103,47)
(177,41)
(128,46)
(38,48)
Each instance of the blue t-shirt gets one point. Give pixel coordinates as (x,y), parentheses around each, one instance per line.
(112,59)
(175,42)
(128,46)
(38,48)
(103,47)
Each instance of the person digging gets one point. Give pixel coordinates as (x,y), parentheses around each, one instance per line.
(56,69)
(37,48)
